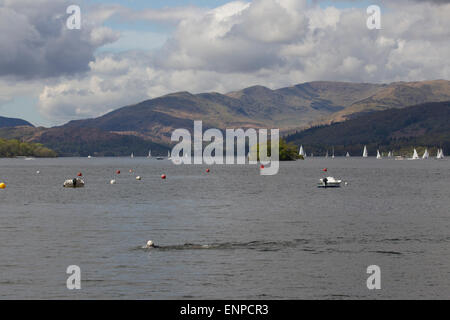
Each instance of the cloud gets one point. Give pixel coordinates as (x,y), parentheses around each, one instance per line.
(35,42)
(269,42)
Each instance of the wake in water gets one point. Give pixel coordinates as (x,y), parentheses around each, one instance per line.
(253,245)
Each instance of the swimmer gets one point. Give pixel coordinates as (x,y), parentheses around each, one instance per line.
(150,244)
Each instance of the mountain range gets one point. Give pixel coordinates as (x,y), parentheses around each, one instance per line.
(421,126)
(149,124)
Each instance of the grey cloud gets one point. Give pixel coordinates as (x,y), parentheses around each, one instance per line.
(35,43)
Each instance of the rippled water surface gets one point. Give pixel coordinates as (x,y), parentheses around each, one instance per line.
(230,233)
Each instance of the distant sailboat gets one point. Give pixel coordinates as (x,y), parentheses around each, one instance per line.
(425,154)
(326,155)
(378,154)
(390,154)
(365,154)
(440,154)
(168,155)
(415,155)
(302,152)
(347,155)
(132,155)
(149,154)
(332,156)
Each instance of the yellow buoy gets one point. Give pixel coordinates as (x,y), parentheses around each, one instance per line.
(2,185)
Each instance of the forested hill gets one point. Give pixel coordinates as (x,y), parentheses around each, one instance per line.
(12,122)
(425,125)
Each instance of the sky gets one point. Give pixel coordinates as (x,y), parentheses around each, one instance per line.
(127,51)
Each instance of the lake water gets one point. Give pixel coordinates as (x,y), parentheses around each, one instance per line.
(227,234)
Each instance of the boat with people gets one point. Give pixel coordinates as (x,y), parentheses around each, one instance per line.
(74,183)
(329,182)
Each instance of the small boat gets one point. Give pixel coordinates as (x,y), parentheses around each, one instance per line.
(347,155)
(426,155)
(378,154)
(159,158)
(302,152)
(329,182)
(365,154)
(89,157)
(74,183)
(415,155)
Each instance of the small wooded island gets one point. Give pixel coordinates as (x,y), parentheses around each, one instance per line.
(15,148)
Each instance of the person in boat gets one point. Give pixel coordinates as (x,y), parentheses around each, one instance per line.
(74,181)
(325,181)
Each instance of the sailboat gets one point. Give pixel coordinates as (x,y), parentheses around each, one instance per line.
(365,152)
(390,154)
(149,154)
(332,156)
(415,155)
(440,154)
(347,155)
(302,152)
(168,155)
(378,154)
(132,155)
(425,154)
(326,155)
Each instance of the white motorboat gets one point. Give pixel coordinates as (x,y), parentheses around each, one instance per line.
(329,182)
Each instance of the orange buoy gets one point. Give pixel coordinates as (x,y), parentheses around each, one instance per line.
(163,176)
(79,174)
(207,170)
(118,171)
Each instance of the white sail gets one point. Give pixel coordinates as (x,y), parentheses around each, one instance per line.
(425,154)
(347,155)
(365,154)
(301,151)
(332,156)
(390,154)
(440,154)
(132,155)
(378,154)
(149,154)
(326,155)
(168,155)
(415,155)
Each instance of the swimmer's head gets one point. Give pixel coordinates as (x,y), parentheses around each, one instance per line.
(150,244)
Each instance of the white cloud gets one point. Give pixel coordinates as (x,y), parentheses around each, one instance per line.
(270,42)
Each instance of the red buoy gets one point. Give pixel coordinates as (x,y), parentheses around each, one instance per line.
(325,169)
(262,166)
(163,176)
(118,171)
(207,170)
(79,174)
